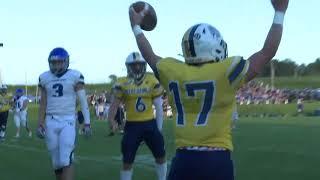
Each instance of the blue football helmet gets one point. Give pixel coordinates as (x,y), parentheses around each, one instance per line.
(58,61)
(19,92)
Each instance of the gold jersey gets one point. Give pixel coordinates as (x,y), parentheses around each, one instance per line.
(5,102)
(138,99)
(203,97)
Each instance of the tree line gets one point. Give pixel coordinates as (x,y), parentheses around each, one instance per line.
(289,67)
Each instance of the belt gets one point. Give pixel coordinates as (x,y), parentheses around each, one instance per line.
(202,148)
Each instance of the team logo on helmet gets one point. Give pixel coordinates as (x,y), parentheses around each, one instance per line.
(203,43)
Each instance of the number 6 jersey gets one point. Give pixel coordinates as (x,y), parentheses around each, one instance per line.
(138,99)
(61,94)
(203,97)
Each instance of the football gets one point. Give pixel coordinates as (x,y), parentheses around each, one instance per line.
(149,21)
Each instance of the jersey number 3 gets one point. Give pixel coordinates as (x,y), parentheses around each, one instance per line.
(58,90)
(208,87)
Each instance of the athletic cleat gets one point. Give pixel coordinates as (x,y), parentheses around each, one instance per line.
(30,134)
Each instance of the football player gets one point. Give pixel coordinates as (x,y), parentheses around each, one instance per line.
(138,92)
(203,92)
(20,112)
(59,89)
(5,106)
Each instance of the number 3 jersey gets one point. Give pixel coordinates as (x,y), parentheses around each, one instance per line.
(203,97)
(61,94)
(138,99)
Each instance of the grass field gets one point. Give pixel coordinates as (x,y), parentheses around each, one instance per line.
(285,148)
(292,82)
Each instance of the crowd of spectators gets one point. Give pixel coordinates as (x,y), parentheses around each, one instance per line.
(252,93)
(260,93)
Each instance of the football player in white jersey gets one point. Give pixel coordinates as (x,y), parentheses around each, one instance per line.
(20,112)
(59,89)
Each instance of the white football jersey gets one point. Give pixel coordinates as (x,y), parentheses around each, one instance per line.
(61,94)
(19,103)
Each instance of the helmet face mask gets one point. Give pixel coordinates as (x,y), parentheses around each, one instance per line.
(136,70)
(57,66)
(203,43)
(136,67)
(58,61)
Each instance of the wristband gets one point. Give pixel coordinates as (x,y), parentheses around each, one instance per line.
(136,30)
(278,17)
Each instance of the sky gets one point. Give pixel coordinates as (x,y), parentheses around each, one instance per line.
(98,36)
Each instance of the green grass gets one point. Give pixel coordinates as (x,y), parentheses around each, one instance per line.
(284,148)
(292,82)
(278,109)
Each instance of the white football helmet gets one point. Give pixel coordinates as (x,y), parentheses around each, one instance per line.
(203,43)
(3,88)
(136,67)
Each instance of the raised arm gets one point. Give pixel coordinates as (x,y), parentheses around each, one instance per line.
(142,42)
(271,44)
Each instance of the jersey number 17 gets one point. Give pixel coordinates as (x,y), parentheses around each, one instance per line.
(209,95)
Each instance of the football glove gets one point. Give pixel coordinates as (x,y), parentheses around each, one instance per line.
(41,132)
(87,130)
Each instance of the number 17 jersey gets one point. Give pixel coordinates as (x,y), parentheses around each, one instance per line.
(203,97)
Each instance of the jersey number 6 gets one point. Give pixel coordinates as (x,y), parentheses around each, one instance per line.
(140,106)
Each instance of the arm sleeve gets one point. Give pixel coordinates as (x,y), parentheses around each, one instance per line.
(157,102)
(84,105)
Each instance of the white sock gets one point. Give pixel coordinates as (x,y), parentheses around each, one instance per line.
(126,175)
(161,170)
(2,134)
